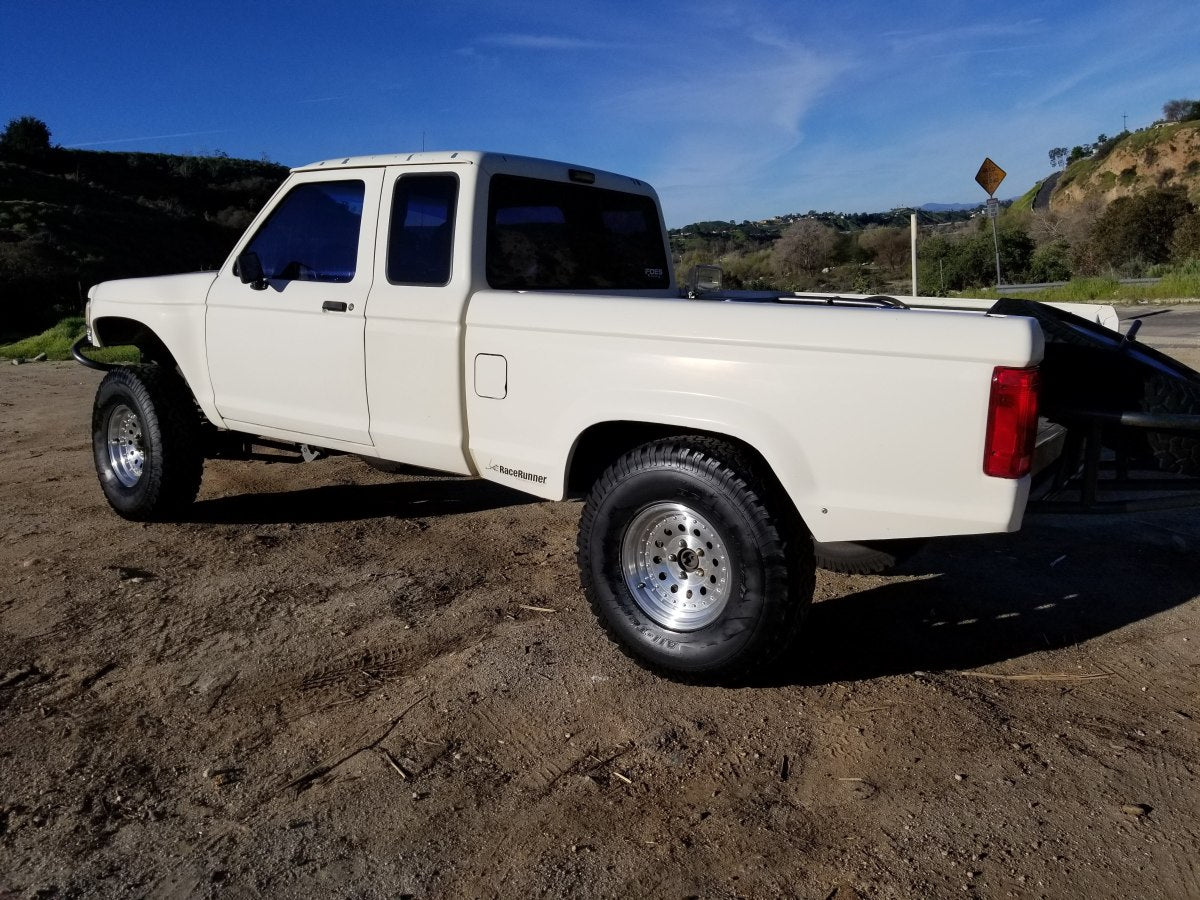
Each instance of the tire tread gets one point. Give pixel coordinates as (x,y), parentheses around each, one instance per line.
(170,409)
(787,547)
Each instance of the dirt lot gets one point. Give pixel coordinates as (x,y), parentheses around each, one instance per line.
(329,682)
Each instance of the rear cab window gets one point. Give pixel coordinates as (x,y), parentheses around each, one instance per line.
(550,235)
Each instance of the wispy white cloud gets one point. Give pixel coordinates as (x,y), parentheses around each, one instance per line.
(724,125)
(543,42)
(987,51)
(148,137)
(922,41)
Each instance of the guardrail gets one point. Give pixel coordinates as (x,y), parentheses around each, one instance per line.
(1017,288)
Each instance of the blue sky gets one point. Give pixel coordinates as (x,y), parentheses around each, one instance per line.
(733,110)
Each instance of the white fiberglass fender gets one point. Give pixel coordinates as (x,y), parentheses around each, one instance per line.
(171,306)
(873,419)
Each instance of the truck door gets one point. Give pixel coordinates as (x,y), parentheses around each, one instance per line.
(415,317)
(288,356)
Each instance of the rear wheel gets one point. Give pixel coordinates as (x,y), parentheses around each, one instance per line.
(693,561)
(146,442)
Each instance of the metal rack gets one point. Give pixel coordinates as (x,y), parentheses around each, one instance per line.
(1085,479)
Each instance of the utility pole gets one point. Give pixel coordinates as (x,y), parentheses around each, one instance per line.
(1124,119)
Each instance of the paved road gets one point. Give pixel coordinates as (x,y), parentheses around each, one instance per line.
(1175,330)
(1042,200)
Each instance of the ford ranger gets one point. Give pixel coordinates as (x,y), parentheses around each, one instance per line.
(519,320)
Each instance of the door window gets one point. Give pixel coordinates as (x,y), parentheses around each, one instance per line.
(312,235)
(422,229)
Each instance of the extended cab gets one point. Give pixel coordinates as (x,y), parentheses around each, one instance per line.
(518,320)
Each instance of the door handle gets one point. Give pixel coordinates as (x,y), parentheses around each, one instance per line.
(333,306)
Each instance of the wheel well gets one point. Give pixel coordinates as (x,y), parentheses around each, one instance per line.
(601,444)
(114,331)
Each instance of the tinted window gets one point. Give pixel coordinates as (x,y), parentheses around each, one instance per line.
(312,235)
(422,230)
(549,235)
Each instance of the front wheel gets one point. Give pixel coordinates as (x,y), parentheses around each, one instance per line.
(147,442)
(693,561)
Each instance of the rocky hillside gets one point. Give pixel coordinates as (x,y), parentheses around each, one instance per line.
(70,218)
(1159,156)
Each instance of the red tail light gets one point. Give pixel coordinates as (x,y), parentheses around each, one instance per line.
(1012,423)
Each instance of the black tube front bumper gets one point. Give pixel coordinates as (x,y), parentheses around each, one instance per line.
(77,351)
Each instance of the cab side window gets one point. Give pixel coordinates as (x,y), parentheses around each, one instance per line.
(421,235)
(312,235)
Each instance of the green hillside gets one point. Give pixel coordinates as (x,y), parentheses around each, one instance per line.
(71,218)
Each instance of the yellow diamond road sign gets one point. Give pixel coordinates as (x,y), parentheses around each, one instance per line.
(989,176)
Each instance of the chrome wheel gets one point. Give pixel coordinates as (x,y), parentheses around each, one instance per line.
(126,445)
(676,566)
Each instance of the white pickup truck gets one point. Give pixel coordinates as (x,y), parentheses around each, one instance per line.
(518,320)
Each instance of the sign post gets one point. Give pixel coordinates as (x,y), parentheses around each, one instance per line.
(912,231)
(989,177)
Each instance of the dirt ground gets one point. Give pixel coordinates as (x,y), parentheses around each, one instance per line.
(333,682)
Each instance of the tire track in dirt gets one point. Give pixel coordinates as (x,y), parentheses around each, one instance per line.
(535,761)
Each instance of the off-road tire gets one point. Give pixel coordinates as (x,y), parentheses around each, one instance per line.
(1178,453)
(769,563)
(168,459)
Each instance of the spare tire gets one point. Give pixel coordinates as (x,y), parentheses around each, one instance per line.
(1090,367)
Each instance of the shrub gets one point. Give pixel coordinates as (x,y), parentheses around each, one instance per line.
(1134,231)
(948,264)
(1051,262)
(1185,243)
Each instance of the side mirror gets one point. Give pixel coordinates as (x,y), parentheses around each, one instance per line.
(250,270)
(704,280)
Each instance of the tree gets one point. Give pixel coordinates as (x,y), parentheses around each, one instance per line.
(1181,110)
(890,247)
(1058,157)
(1079,151)
(1185,243)
(25,138)
(1136,231)
(804,247)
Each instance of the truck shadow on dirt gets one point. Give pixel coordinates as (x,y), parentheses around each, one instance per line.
(353,502)
(981,601)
